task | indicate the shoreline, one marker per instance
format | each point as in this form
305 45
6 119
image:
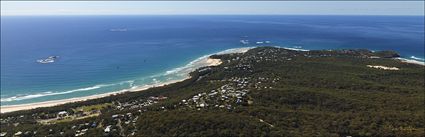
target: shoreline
195 64
11 108
198 63
411 61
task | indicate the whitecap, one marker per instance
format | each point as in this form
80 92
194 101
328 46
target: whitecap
131 83
412 61
416 58
24 97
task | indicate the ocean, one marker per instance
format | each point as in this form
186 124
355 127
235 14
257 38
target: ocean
101 54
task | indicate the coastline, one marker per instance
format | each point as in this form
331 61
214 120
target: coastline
200 62
195 64
11 108
411 61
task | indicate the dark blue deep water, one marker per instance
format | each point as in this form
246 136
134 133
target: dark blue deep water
100 54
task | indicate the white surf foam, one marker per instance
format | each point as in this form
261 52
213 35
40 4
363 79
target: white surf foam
296 49
412 61
50 93
234 50
200 62
416 58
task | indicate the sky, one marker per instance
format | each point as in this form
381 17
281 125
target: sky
10 8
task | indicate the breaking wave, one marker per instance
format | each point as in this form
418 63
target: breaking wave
50 93
416 58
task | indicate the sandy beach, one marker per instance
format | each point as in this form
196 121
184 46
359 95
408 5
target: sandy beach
201 62
12 108
383 67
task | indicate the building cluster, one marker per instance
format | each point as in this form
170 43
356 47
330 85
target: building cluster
136 104
283 55
118 120
82 128
228 96
19 133
130 119
271 55
265 82
9 120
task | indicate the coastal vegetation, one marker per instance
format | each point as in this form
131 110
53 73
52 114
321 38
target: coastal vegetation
265 91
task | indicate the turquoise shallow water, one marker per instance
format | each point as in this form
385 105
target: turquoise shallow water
100 54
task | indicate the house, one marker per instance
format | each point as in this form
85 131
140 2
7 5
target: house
107 129
158 98
18 133
94 124
62 114
115 116
84 130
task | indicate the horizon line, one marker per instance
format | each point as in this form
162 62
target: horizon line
215 15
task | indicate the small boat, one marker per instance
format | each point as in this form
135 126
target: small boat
49 59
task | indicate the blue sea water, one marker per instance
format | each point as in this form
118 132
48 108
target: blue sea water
100 54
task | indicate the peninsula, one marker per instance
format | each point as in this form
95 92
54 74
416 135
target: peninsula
264 91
